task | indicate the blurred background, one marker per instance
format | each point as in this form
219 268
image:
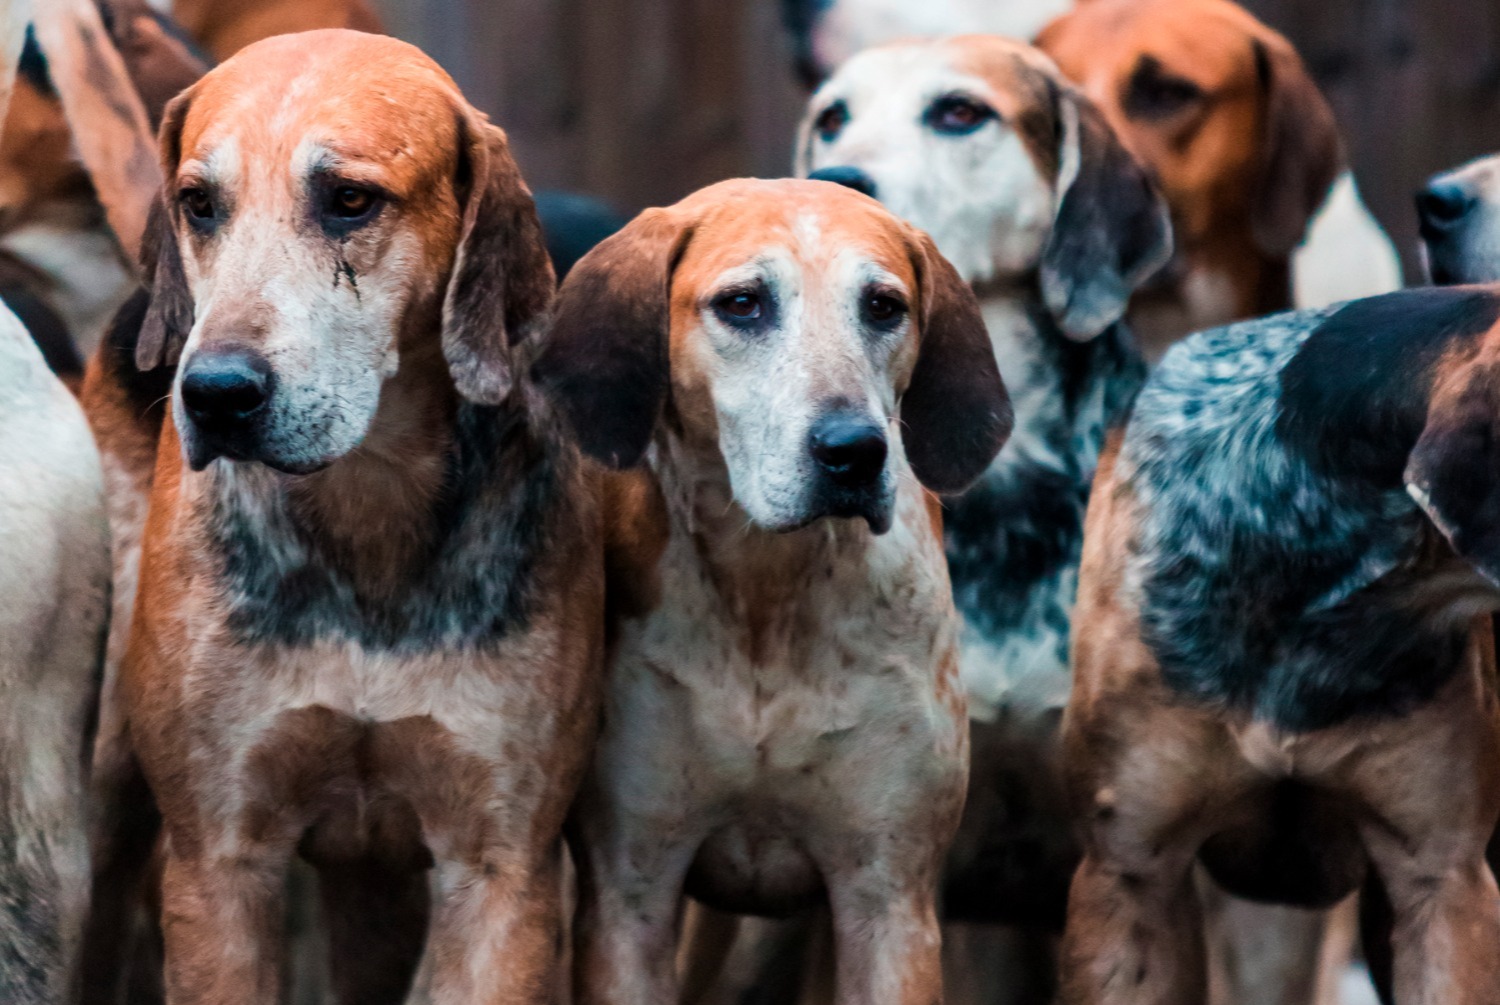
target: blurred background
641 101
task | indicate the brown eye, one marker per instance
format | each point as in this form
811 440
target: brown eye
831 121
880 309
197 203
349 203
741 306
956 115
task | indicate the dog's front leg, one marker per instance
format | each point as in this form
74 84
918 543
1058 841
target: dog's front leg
630 901
222 915
886 937
495 926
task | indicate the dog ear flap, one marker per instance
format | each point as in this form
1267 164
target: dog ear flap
955 414
1303 152
1453 473
605 359
1111 231
169 316
502 283
160 59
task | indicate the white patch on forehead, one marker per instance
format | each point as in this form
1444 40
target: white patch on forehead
310 155
294 101
220 166
980 196
808 230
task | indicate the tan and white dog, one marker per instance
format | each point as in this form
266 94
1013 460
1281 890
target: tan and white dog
369 619
783 716
980 141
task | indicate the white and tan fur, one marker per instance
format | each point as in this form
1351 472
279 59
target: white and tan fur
54 596
783 714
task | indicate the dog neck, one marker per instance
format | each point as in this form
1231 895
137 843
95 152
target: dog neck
371 512
744 561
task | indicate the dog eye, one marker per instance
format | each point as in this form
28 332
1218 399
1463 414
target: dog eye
882 310
198 203
347 202
741 306
832 120
956 115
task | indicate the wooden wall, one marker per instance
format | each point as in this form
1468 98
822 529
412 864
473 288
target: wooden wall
641 101
636 101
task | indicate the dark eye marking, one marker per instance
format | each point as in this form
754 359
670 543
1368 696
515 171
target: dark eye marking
342 206
199 208
832 120
882 309
957 114
1153 93
746 308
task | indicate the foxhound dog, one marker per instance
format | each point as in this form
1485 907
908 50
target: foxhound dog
1244 146
1022 185
370 611
1284 664
784 716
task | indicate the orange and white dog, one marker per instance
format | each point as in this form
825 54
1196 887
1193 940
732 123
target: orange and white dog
783 716
370 612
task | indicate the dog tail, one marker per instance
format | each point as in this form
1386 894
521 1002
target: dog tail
114 65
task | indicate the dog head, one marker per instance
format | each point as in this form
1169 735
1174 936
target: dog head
979 141
1218 106
1459 212
789 326
330 203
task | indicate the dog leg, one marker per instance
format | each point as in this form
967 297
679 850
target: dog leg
1133 938
496 931
629 904
222 924
1431 782
886 938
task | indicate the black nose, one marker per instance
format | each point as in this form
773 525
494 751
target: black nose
222 389
851 451
1442 205
848 177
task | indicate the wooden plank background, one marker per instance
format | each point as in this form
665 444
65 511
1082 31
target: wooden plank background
642 101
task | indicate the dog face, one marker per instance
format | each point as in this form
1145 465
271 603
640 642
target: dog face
978 141
789 324
1216 104
330 202
1460 223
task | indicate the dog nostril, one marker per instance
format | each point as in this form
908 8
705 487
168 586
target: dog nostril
849 177
852 452
225 388
1443 204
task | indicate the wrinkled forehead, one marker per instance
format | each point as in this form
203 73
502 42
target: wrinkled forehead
817 245
392 122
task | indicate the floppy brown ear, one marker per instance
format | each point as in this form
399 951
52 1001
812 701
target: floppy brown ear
605 360
159 57
111 131
169 316
1454 471
1303 152
955 414
502 283
1112 229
